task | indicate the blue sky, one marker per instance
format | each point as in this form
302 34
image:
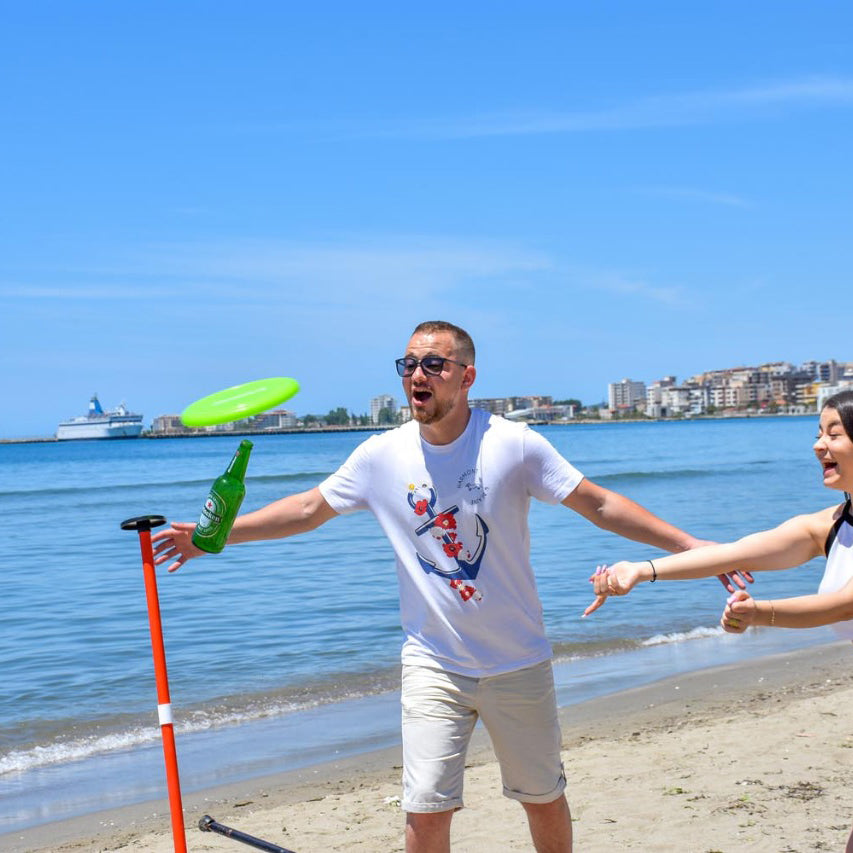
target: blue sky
196 194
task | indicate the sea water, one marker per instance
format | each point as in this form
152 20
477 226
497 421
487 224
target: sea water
283 654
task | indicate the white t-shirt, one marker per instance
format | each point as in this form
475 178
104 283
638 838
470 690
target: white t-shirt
839 564
456 516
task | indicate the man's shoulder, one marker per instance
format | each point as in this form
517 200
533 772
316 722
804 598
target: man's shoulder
503 432
389 437
498 425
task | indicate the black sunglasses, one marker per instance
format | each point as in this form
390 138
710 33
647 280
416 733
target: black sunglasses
432 365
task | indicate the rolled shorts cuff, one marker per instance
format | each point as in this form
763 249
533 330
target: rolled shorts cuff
430 808
548 797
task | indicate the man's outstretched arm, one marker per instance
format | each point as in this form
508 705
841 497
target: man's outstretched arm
614 512
285 517
618 514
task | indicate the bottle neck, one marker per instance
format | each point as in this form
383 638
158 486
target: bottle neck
240 461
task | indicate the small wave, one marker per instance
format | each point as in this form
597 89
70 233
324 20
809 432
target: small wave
679 474
284 478
674 474
565 652
63 752
231 712
21 760
683 636
136 487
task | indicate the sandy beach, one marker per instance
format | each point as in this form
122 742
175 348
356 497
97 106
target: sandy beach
748 757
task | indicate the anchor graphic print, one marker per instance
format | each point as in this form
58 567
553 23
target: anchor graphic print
442 526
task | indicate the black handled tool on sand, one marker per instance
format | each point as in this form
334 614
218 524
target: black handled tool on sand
208 824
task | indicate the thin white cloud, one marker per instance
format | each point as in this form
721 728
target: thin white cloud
336 275
670 110
337 271
610 282
373 268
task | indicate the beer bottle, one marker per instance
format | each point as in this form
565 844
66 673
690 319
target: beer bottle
223 502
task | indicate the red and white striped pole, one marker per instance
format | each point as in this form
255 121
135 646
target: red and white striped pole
143 524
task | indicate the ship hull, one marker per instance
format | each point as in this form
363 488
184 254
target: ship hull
116 423
108 428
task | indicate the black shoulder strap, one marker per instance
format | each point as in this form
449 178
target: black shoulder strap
845 516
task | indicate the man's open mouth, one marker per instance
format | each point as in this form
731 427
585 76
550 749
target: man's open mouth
421 396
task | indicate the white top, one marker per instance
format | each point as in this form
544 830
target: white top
456 516
839 563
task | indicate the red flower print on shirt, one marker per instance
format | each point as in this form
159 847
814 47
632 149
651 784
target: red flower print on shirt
445 521
421 507
466 591
452 549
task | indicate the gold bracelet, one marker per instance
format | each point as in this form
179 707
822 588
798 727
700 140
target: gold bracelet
772 614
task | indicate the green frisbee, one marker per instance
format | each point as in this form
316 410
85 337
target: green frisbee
239 401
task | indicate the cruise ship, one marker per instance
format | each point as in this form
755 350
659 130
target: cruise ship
116 423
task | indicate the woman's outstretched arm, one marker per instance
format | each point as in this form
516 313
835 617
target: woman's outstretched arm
790 544
802 611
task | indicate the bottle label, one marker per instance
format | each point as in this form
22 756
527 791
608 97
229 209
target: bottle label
211 513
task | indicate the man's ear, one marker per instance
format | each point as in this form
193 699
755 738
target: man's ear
469 376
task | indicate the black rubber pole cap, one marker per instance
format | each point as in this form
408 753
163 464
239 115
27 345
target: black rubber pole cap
143 522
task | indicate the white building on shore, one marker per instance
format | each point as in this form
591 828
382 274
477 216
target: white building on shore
626 396
380 402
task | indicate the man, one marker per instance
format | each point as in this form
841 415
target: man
451 490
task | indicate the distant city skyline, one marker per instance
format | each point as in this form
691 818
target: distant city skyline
829 371
772 386
197 196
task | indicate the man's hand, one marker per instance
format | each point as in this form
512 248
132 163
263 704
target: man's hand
737 578
175 543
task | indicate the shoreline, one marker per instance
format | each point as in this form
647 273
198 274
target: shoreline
750 753
49 439
124 766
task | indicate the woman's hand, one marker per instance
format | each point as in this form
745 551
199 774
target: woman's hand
618 579
739 613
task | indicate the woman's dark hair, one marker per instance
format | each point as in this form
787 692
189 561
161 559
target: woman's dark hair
842 402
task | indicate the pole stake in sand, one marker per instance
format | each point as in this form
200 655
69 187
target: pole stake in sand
208 824
143 524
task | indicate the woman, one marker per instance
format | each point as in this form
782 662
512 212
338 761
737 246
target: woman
828 532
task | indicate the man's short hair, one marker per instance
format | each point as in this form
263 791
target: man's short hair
464 345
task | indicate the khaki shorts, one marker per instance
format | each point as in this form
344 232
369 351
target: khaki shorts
440 709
